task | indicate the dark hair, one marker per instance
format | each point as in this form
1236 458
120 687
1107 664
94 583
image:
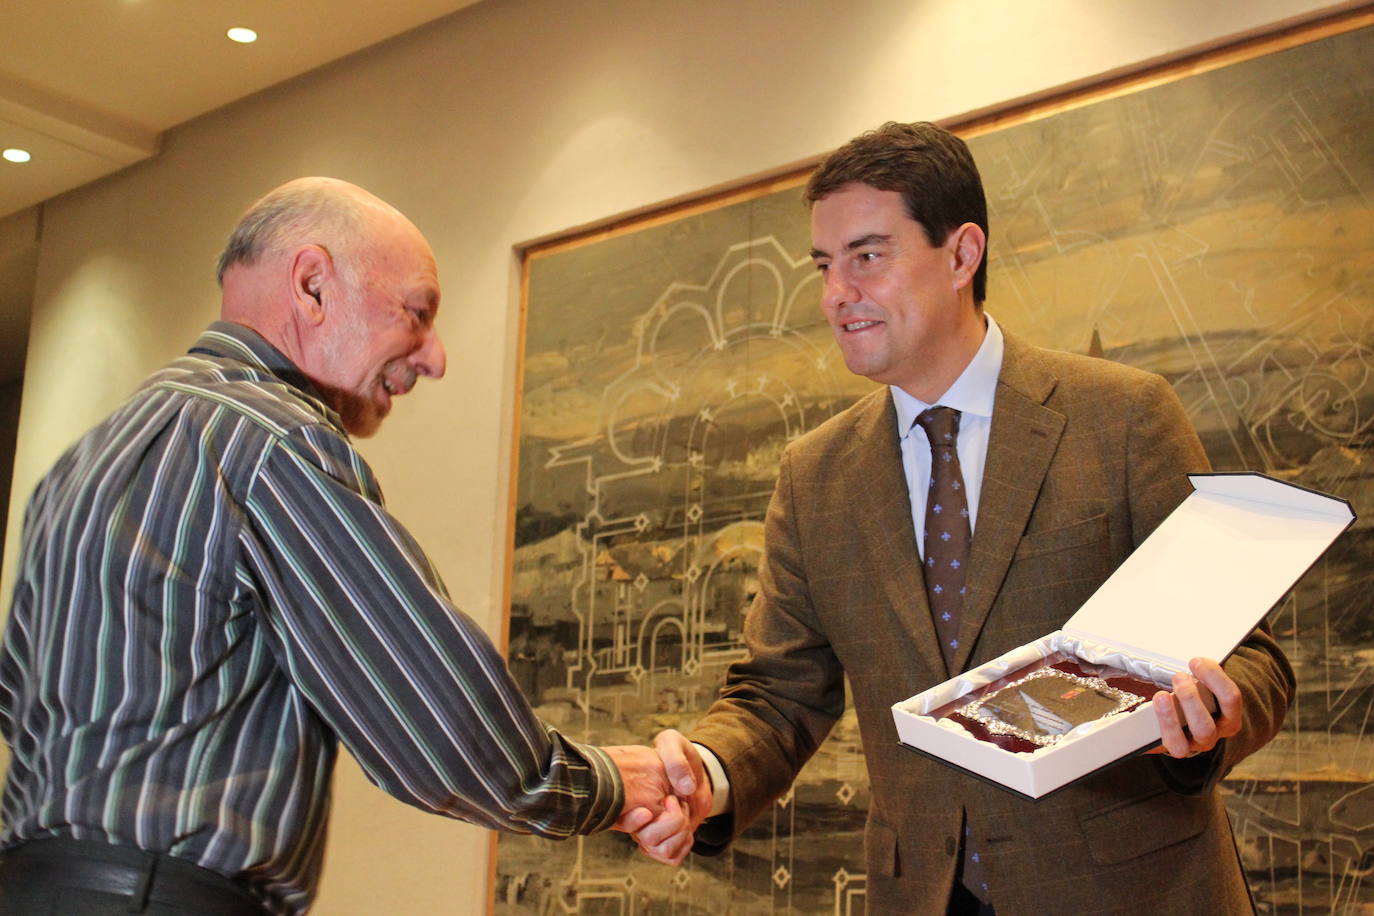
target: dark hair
930 167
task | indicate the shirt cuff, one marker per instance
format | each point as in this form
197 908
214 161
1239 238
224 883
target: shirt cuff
608 789
720 784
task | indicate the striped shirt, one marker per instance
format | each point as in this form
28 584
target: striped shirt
211 596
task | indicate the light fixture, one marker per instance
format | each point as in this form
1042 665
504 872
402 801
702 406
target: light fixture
242 36
14 154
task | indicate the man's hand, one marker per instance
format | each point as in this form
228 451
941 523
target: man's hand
646 785
667 795
1194 700
668 839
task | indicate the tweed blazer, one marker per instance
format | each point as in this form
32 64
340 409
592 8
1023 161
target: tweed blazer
1085 458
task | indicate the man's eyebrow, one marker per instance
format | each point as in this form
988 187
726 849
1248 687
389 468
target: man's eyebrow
872 238
863 241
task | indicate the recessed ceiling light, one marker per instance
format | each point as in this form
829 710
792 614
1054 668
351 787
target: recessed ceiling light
242 36
16 155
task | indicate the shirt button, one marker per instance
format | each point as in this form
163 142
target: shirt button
950 846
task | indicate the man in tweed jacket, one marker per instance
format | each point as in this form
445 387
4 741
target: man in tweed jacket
1070 463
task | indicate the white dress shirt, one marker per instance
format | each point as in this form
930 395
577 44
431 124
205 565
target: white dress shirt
972 394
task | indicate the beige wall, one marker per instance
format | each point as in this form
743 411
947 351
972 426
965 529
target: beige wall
509 121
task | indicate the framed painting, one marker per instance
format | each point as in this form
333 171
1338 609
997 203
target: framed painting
1210 222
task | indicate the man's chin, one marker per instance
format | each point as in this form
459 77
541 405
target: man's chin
364 432
864 365
362 420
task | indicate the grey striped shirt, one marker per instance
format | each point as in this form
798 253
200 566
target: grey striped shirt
211 595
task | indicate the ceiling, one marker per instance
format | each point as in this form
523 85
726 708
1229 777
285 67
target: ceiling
87 87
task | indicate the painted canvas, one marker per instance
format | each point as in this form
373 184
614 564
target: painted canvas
1216 229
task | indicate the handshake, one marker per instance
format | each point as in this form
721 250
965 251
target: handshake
667 795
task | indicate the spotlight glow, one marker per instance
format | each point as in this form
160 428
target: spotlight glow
242 36
14 154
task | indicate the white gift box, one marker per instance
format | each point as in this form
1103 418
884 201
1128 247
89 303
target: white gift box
1197 586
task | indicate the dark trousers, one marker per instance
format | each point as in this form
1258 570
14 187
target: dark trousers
60 876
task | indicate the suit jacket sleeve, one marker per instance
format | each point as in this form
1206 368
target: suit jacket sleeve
1161 450
777 707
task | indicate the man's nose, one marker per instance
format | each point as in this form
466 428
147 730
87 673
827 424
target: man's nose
839 290
430 359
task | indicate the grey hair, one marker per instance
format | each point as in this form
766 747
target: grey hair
296 213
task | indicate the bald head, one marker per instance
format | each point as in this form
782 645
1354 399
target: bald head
344 286
319 210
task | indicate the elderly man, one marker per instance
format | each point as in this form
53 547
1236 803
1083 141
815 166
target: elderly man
212 595
965 508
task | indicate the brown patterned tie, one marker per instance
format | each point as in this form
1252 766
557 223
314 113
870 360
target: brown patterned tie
948 533
948 538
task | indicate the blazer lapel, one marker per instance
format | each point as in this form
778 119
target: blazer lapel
1021 445
882 508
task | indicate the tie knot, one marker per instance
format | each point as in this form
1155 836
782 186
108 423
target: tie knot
941 425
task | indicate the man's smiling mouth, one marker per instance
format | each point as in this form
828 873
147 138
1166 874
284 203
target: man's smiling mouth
858 325
398 381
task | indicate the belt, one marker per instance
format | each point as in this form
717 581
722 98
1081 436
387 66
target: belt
142 877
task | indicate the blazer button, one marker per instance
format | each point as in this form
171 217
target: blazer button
950 846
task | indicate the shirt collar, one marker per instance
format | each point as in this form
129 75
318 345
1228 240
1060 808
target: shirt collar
226 339
973 392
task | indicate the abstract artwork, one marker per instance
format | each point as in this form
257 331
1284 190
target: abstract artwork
1215 229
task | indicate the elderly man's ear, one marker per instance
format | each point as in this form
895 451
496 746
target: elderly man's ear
311 269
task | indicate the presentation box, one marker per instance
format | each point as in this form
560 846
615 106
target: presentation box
1197 586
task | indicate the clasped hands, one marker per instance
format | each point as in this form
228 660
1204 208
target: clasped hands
667 795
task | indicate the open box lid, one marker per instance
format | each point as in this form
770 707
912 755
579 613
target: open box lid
1210 572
